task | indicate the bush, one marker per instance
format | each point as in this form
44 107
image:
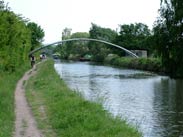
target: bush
149 64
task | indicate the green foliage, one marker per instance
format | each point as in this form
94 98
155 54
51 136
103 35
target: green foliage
15 44
169 38
149 64
134 36
79 48
101 33
37 34
73 50
99 50
15 40
68 113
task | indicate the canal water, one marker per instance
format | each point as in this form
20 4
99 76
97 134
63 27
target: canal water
154 104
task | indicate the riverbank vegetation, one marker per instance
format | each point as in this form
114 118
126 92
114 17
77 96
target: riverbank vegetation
147 64
67 112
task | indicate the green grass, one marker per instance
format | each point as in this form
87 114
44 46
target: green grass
8 83
66 113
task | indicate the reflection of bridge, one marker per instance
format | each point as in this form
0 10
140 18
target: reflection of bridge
85 39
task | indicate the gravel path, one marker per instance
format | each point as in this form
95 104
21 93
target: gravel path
25 124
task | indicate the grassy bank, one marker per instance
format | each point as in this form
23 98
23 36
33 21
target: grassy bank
8 83
62 112
148 64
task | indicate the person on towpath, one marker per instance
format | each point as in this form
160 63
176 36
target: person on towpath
33 60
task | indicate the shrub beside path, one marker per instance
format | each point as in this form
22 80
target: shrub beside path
25 124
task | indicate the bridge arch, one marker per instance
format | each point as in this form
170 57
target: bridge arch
85 39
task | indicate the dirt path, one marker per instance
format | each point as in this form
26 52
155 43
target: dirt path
25 124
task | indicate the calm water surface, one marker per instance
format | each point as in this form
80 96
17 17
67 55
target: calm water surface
152 103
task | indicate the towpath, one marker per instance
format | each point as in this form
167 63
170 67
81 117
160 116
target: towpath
25 124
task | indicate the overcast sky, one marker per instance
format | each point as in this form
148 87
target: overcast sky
54 15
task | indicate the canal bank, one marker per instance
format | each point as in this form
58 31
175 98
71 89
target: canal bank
152 102
62 112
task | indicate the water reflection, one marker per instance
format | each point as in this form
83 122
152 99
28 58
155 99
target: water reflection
168 104
153 103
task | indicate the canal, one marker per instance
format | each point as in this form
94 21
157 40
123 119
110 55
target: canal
154 104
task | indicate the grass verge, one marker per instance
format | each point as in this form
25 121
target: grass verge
64 113
8 83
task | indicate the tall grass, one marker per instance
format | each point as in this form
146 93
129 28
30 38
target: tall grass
8 83
67 113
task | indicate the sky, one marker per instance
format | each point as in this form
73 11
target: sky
55 15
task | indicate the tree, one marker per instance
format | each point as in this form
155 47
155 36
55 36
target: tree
79 47
76 49
133 36
99 50
37 34
169 36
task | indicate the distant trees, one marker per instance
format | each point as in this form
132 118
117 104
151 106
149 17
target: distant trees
79 48
15 39
100 50
73 50
133 36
